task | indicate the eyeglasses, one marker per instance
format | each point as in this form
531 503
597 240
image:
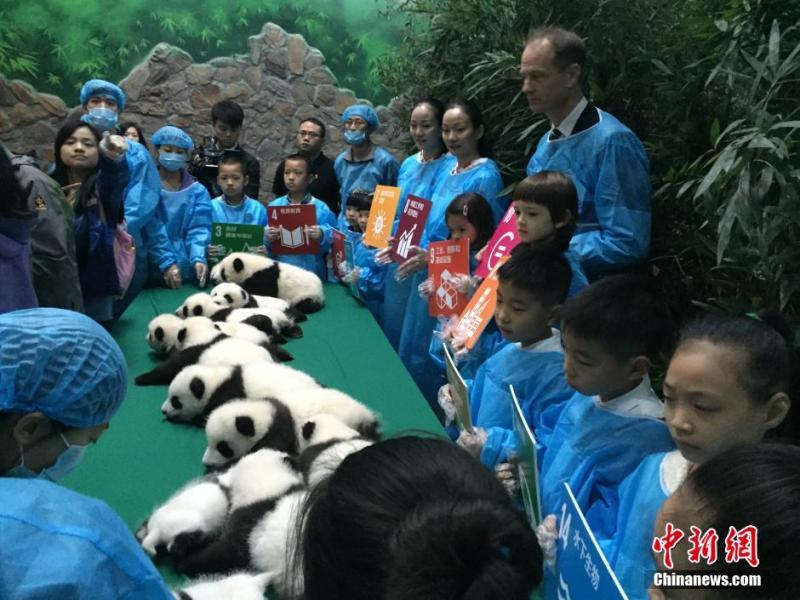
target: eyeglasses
311 134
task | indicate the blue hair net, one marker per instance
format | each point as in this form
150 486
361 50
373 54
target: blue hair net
364 111
174 136
98 87
61 363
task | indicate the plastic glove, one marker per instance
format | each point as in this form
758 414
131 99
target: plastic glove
352 275
215 250
172 277
201 270
384 256
260 250
465 284
506 473
417 262
314 232
445 400
456 336
473 442
113 147
272 233
547 534
425 289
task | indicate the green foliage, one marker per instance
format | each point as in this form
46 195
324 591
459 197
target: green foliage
57 44
710 86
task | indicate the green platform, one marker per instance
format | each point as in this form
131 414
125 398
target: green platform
142 459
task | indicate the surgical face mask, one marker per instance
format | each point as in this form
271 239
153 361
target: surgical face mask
103 119
66 463
172 161
355 137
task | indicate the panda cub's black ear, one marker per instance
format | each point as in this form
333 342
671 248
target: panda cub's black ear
197 311
182 334
244 295
159 334
292 462
185 311
238 264
245 426
308 429
197 387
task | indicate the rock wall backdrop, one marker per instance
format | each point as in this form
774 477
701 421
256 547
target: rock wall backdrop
281 81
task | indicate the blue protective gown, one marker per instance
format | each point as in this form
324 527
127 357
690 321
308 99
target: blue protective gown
186 215
594 447
326 221
609 167
381 169
415 336
623 519
419 179
537 375
60 544
248 212
371 278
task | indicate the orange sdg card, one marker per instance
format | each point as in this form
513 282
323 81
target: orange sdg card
381 216
480 309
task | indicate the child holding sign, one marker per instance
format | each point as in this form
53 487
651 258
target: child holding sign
367 276
297 176
531 285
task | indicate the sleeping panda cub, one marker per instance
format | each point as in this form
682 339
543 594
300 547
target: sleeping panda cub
222 350
273 322
199 389
257 484
266 277
325 442
192 515
242 426
233 295
201 330
237 586
162 332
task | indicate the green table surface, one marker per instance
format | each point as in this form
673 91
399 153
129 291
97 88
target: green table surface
142 459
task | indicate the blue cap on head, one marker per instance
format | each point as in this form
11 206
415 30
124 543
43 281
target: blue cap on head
364 111
174 136
99 87
61 363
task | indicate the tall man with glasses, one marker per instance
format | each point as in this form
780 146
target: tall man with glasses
309 141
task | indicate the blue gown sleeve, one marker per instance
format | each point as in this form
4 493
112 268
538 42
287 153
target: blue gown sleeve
327 222
622 205
198 234
143 190
499 444
159 246
391 169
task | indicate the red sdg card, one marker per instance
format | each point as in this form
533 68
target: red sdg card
447 259
503 241
409 229
292 221
337 253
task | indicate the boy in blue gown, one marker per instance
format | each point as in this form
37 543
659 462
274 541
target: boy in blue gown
234 206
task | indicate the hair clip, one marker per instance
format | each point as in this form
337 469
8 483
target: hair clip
465 210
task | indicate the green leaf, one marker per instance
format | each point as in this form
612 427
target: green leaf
714 131
722 163
774 44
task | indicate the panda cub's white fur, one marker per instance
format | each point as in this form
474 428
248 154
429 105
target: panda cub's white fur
238 586
323 464
322 428
266 277
202 330
233 295
162 332
199 389
307 403
198 509
202 304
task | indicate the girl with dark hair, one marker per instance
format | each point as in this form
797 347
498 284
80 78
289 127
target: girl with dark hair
468 169
546 209
132 131
419 173
754 486
728 384
415 518
93 174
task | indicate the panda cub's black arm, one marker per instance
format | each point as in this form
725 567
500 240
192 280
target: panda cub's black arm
165 372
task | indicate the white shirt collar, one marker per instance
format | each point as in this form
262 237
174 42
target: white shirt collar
548 344
568 124
641 401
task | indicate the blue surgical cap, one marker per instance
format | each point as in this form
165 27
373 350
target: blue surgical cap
61 363
174 136
98 87
364 111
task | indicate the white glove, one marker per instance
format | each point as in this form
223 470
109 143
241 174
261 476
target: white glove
172 277
506 473
425 289
445 400
473 442
201 270
464 284
384 256
547 534
113 147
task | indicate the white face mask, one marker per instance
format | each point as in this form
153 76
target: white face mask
66 462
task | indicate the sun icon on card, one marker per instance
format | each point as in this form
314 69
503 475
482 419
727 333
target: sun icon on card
378 225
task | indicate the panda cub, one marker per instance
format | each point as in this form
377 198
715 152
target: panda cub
235 296
242 426
194 514
257 484
199 389
162 332
325 442
201 330
263 276
222 350
274 322
238 586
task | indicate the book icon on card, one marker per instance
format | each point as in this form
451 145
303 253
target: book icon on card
293 238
